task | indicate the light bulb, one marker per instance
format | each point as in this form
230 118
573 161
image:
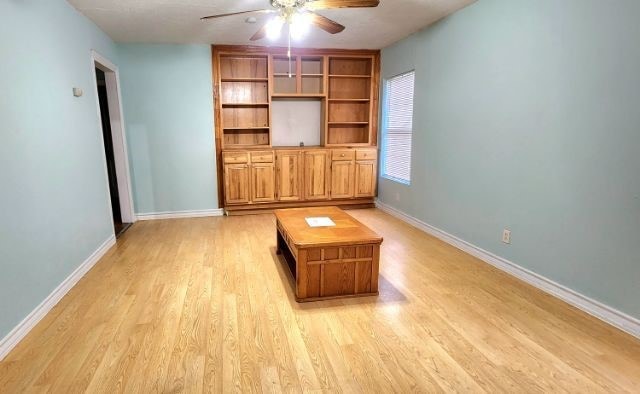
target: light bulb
300 23
273 27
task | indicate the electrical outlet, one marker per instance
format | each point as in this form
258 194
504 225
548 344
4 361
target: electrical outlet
397 196
506 236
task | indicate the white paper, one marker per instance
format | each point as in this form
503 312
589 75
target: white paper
320 222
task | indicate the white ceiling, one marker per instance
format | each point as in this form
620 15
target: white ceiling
178 21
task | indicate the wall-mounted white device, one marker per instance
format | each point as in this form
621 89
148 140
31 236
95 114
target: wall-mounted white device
506 236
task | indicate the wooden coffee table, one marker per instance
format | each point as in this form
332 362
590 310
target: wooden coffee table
328 262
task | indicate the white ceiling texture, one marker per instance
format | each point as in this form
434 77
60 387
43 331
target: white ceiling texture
178 21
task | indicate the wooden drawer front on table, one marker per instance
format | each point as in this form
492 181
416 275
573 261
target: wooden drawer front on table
262 157
338 271
343 154
366 154
235 157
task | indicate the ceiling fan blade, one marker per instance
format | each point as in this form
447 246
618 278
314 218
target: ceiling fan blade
327 4
326 24
260 34
236 13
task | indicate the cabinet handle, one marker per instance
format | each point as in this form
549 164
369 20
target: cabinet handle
342 155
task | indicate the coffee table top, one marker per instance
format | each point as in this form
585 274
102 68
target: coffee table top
347 231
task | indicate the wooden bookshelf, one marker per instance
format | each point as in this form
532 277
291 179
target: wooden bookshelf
244 100
349 109
238 66
312 74
298 76
285 75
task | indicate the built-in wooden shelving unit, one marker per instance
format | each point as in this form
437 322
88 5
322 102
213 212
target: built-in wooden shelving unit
298 76
349 113
244 100
249 79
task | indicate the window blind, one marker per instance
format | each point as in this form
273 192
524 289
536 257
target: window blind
398 127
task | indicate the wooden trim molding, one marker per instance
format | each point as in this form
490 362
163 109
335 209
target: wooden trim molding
252 49
217 127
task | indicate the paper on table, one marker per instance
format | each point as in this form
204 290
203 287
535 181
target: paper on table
320 222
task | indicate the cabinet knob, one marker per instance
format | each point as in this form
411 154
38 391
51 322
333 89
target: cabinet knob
342 155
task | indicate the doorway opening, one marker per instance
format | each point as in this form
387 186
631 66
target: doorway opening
116 163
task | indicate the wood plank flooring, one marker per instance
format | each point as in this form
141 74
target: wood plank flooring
205 305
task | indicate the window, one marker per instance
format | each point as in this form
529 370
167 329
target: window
398 128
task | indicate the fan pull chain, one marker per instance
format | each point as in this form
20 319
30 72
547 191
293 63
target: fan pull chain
289 51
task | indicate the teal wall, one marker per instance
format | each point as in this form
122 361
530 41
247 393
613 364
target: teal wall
526 117
53 192
167 94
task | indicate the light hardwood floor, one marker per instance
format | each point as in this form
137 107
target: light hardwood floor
205 305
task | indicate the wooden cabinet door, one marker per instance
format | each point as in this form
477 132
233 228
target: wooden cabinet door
236 183
316 175
289 175
263 182
342 174
366 178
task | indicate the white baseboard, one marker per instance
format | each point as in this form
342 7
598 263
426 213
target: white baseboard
595 308
21 330
180 214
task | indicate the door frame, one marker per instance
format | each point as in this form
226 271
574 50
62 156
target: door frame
114 98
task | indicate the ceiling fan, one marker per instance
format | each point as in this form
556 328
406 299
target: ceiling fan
299 15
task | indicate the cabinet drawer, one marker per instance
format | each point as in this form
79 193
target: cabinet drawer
262 157
235 157
366 154
343 154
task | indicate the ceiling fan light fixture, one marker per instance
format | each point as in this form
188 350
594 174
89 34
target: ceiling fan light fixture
274 27
299 15
300 25
289 3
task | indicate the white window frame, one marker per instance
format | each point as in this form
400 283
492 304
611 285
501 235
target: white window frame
385 117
